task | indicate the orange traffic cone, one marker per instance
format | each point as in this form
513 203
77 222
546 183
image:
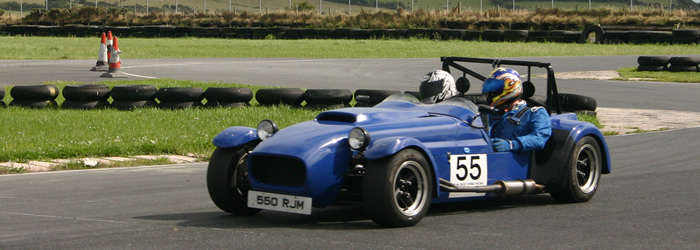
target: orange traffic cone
109 43
102 60
115 64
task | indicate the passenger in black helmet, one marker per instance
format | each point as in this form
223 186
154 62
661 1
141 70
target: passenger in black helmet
436 86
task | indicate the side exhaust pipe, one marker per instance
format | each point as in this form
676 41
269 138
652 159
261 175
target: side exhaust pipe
515 187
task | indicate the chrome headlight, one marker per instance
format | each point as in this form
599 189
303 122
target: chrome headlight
358 139
266 129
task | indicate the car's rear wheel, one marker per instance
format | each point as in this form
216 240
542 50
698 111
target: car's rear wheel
227 179
583 172
397 190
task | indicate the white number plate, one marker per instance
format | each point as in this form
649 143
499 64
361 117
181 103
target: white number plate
279 202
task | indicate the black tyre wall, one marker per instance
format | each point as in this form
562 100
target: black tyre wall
574 102
71 104
328 96
134 92
684 61
288 96
180 94
129 105
86 92
34 92
653 60
34 103
375 95
228 94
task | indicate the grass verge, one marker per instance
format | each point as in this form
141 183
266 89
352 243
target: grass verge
662 76
40 134
54 48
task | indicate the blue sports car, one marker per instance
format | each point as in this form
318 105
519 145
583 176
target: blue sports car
400 156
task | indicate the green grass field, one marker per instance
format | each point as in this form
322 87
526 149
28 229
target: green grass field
30 134
135 48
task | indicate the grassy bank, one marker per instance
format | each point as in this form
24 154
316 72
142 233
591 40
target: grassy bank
30 134
18 47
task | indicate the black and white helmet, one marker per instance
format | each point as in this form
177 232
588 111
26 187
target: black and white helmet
437 86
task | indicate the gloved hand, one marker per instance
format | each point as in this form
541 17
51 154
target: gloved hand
501 145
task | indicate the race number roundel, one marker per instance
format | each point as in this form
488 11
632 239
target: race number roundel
468 170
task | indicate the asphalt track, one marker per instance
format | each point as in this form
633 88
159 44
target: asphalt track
650 201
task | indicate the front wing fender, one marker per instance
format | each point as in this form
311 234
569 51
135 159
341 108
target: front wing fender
235 136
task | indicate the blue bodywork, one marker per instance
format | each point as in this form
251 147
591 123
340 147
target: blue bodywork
439 131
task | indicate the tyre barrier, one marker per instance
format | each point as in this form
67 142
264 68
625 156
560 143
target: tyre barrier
289 96
179 97
684 64
493 32
86 96
34 96
324 98
371 97
661 63
129 97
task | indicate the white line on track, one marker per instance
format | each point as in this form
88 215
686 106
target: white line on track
63 217
140 76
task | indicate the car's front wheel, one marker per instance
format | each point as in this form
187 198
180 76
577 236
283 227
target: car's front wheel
583 172
397 190
227 179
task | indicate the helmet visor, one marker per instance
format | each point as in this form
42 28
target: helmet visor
431 92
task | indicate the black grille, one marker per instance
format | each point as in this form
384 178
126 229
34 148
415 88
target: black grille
278 170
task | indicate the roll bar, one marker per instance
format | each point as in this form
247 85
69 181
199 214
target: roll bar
553 102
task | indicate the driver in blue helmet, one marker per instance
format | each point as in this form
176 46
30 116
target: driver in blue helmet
517 128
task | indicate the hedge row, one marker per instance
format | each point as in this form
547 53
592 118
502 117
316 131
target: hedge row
679 36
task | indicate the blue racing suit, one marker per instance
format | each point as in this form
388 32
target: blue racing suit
526 129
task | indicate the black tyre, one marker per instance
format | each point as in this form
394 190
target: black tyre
592 34
614 37
71 104
227 179
583 172
2 104
682 68
397 190
34 92
134 92
2 93
684 61
328 96
129 105
228 94
653 60
86 92
34 103
651 68
691 33
180 94
288 96
515 35
216 104
574 102
492 35
179 105
374 95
